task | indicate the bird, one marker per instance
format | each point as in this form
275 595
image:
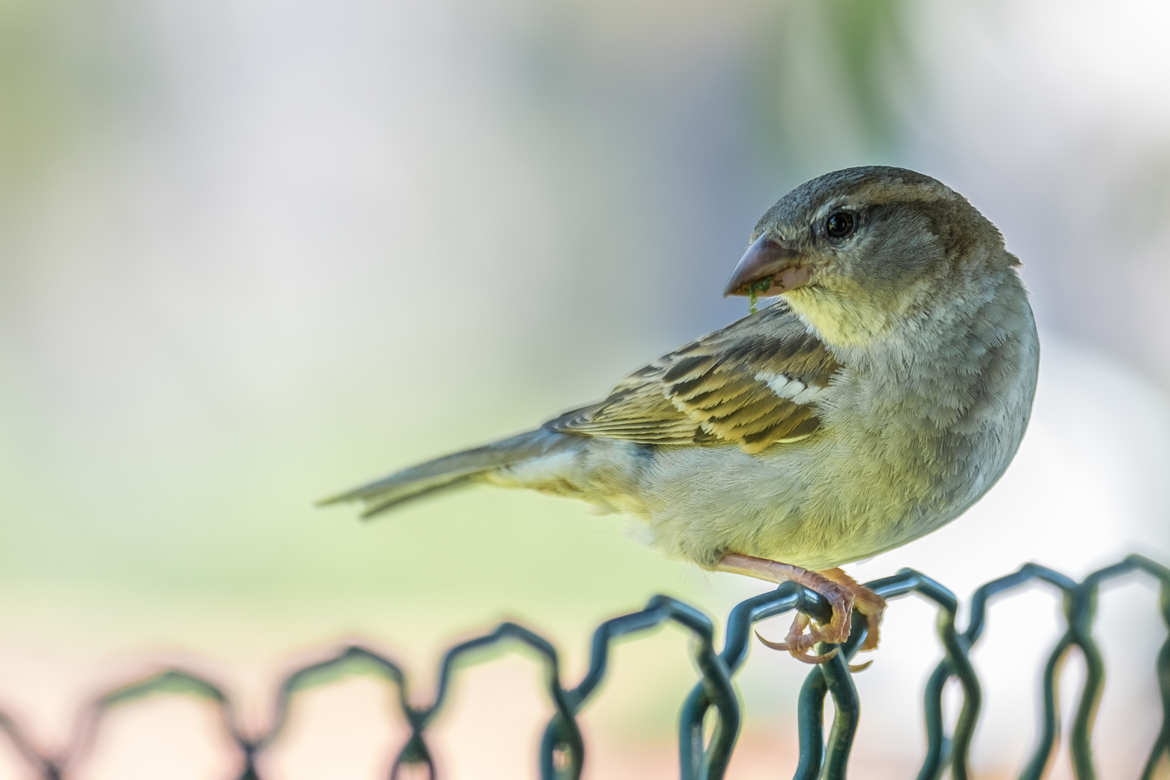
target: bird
881 394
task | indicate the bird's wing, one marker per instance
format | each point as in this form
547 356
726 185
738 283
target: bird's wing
751 384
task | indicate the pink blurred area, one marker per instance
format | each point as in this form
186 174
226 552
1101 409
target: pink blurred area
254 252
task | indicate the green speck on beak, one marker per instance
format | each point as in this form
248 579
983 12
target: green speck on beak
754 292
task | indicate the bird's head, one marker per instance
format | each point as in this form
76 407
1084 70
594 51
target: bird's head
859 252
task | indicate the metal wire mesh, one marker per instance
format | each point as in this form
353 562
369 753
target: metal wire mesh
562 749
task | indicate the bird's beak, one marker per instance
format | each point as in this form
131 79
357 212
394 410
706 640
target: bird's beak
768 267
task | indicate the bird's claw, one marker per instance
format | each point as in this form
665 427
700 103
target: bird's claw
838 589
804 634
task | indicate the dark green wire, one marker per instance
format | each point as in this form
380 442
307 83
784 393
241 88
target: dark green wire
562 752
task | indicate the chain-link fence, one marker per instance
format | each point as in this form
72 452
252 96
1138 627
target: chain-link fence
704 752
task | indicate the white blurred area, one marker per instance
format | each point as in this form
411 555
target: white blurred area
253 252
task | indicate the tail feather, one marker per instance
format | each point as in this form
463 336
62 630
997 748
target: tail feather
445 472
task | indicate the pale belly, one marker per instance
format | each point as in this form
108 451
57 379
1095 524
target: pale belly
819 507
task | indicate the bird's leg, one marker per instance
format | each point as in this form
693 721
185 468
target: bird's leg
803 634
841 591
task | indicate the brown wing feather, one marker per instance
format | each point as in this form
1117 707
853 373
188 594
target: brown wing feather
715 391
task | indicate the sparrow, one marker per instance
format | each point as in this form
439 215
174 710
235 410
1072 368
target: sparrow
884 391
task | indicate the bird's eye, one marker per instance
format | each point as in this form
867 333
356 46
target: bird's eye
839 224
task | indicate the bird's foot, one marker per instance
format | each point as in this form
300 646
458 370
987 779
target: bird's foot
841 591
802 636
865 601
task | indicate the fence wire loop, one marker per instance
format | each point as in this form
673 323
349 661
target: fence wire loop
561 752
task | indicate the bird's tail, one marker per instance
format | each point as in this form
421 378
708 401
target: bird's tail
447 471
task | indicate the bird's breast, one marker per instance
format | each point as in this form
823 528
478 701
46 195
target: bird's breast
900 453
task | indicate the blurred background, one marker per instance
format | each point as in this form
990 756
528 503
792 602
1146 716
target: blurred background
254 252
